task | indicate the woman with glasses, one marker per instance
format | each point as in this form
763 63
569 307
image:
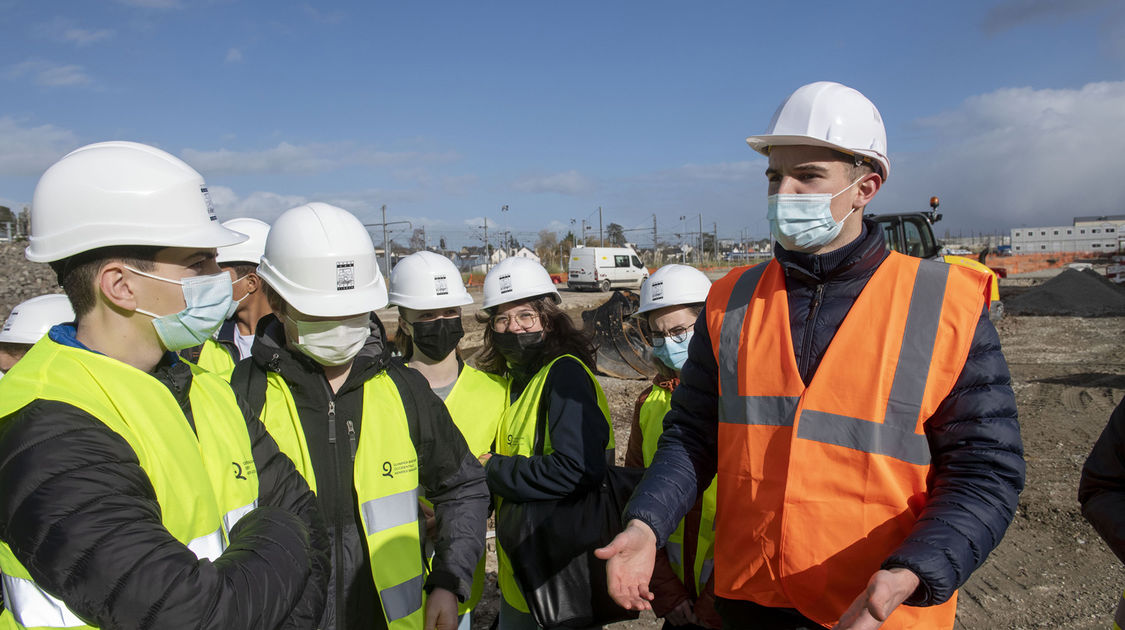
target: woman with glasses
428 291
557 407
671 300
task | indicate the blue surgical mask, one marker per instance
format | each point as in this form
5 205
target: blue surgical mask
673 353
207 300
804 223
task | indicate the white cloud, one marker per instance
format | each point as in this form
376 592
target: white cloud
1018 156
85 37
50 74
723 171
234 55
28 151
293 159
568 183
263 205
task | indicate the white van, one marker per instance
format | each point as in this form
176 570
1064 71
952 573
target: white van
605 268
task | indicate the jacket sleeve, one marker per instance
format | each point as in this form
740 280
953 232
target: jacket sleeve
80 513
579 436
684 463
281 486
453 481
977 475
1102 488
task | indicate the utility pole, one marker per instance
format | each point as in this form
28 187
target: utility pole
715 228
487 257
583 232
386 245
601 239
701 238
655 243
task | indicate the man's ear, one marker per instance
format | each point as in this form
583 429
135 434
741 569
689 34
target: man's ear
866 189
115 285
253 283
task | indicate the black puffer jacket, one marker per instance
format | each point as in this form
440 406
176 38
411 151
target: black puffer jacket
977 453
1102 488
451 477
80 513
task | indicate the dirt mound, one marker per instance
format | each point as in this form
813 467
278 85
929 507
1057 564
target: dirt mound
1076 293
21 279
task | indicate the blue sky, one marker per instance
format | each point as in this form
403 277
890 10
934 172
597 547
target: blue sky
1012 111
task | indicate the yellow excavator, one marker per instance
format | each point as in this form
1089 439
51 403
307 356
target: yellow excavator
912 233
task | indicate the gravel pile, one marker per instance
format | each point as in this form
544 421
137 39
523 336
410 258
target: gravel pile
1074 293
21 279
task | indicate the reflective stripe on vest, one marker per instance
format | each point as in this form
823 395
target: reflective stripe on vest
837 468
516 436
33 607
204 480
386 484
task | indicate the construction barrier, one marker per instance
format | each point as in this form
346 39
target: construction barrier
1024 263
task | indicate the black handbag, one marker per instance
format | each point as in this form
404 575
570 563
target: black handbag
551 548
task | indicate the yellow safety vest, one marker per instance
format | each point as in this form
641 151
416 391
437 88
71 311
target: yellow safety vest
204 481
516 436
476 402
386 484
656 405
214 357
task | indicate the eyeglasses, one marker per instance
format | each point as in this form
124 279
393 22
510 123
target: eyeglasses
677 334
526 319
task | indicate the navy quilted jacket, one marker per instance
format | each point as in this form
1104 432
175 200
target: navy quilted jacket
974 437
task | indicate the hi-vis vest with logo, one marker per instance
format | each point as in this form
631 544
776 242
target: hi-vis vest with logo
516 436
819 484
477 401
656 405
204 481
386 485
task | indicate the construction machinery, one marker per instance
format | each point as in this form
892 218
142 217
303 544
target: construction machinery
912 233
617 335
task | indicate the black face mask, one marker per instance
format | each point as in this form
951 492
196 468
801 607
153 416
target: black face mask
519 348
437 338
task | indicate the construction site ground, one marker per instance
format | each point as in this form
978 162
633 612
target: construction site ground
1050 571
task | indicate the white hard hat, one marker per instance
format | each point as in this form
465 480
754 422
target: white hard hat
425 280
672 285
516 278
320 259
121 193
827 114
31 319
249 250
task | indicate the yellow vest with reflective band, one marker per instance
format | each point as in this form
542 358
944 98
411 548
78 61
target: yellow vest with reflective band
516 436
214 357
386 485
477 401
204 481
656 405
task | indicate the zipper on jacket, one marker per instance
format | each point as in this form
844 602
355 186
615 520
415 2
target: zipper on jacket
337 522
351 437
810 325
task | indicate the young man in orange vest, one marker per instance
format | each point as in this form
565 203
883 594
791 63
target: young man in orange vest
854 402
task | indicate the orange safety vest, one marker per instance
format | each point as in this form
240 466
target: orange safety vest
819 484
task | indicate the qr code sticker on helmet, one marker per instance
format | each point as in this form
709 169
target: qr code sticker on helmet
441 285
657 291
345 275
505 284
207 200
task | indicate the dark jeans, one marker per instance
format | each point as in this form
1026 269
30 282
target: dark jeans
743 615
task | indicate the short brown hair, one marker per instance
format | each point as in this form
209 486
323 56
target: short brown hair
77 273
562 338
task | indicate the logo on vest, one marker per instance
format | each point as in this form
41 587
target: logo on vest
238 471
514 440
399 468
243 469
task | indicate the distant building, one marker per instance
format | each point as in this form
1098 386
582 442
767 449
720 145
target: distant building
1104 234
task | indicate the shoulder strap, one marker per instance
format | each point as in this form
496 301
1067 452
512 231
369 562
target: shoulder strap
250 383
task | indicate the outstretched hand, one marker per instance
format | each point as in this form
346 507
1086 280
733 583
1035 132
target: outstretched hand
885 591
629 559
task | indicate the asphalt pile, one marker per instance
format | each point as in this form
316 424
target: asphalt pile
1074 293
21 279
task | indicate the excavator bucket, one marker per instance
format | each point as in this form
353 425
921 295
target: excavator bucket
621 348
